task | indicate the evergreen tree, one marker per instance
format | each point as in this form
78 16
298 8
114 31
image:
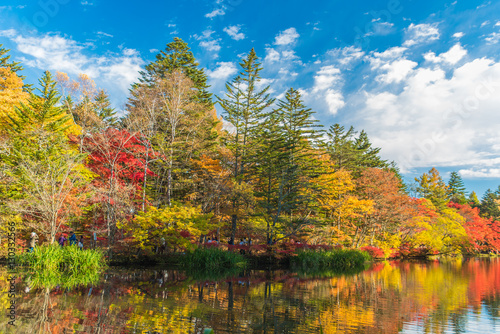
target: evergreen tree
286 164
490 205
432 187
177 55
456 189
6 62
245 109
42 111
104 111
473 200
351 153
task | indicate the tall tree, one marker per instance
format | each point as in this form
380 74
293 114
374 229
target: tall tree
490 206
11 95
287 164
432 187
353 153
43 111
244 108
50 177
456 189
177 55
5 61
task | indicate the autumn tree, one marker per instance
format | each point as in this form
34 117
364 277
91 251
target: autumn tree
48 177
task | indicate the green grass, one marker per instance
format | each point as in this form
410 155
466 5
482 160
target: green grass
337 260
53 265
212 259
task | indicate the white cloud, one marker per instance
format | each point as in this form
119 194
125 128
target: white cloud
113 71
452 56
434 119
334 100
272 55
286 37
234 32
212 45
485 23
346 55
223 71
215 12
380 29
458 35
396 71
100 33
421 33
493 38
326 77
482 173
207 41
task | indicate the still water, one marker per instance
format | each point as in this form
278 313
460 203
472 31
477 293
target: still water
389 297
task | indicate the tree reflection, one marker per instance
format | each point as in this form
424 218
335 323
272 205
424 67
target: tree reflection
390 297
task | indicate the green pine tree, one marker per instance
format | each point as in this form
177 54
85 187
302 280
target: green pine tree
490 205
42 111
6 62
287 163
432 187
177 55
473 200
104 111
244 107
456 189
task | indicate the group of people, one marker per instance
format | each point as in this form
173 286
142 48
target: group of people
72 240
212 241
62 239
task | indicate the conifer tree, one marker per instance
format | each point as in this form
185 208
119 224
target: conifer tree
177 55
287 163
245 109
490 205
456 189
6 62
432 187
473 200
42 111
104 111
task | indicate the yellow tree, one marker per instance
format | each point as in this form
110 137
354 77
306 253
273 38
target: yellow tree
11 95
339 203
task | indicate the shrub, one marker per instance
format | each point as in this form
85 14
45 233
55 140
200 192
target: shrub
213 259
374 252
69 266
336 259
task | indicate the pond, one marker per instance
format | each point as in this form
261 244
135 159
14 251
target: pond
389 297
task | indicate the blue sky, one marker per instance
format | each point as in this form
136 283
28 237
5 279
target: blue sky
421 77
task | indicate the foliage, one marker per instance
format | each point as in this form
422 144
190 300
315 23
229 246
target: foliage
337 259
66 266
176 225
213 260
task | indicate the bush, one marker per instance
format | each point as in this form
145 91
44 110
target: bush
374 252
337 259
69 266
213 259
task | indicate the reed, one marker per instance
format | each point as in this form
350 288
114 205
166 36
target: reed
212 259
53 265
337 259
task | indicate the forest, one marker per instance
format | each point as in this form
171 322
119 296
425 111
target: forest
172 172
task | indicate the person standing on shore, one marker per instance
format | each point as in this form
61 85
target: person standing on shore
61 240
33 241
72 239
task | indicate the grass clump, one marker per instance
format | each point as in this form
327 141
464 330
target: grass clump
212 259
337 260
69 266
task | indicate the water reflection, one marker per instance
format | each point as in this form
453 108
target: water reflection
391 297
